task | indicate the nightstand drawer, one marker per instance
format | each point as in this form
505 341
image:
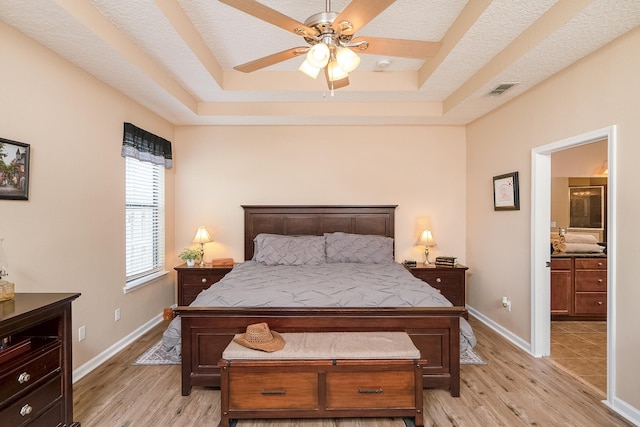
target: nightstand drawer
357 390
273 390
193 280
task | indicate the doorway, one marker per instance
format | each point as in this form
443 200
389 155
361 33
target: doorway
541 219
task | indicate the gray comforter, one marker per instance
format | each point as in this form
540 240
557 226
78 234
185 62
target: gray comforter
251 284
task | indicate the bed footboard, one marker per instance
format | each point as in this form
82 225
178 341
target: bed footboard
206 332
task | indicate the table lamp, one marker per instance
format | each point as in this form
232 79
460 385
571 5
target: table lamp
202 237
426 239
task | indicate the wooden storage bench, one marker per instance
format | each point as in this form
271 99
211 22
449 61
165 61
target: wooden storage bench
324 375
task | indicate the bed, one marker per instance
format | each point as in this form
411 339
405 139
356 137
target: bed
206 330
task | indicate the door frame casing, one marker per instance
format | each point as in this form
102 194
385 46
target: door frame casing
540 253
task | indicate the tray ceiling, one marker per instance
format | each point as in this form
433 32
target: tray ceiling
177 57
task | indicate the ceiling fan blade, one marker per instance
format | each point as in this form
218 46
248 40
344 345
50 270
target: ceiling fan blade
359 12
271 59
271 16
398 47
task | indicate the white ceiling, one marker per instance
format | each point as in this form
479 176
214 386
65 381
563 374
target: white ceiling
177 57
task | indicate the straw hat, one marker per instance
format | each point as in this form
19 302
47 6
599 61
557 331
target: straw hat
259 337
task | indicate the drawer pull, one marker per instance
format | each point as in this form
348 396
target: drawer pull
370 391
438 279
599 302
24 377
204 280
600 280
271 392
599 264
26 410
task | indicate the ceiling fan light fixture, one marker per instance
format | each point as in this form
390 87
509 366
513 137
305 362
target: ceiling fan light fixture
334 72
318 56
309 70
347 59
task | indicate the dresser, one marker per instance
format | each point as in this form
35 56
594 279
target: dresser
578 287
35 361
193 280
450 281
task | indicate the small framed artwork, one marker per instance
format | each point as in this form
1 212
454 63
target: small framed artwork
14 170
506 195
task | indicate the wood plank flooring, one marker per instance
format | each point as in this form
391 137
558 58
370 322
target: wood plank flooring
513 389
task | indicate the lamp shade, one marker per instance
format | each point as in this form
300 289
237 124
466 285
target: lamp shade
426 238
334 71
202 236
318 55
347 59
309 70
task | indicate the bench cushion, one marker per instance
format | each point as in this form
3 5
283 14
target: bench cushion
332 345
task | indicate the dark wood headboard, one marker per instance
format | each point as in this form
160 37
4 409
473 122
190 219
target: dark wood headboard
315 221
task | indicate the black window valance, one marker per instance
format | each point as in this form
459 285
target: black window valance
145 146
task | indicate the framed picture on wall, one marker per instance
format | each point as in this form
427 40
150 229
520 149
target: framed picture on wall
14 170
506 194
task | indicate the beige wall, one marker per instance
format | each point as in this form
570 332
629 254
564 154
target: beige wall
69 235
421 169
601 90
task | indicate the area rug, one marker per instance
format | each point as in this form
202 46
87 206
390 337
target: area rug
470 357
157 355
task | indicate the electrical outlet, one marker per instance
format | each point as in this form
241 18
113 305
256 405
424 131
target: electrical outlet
117 314
82 333
506 303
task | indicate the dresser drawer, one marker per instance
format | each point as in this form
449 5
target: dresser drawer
591 303
591 281
273 390
26 375
33 405
591 264
357 390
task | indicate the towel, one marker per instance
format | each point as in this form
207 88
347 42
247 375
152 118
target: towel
580 238
558 246
583 248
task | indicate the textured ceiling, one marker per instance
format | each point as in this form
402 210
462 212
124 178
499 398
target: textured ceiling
176 57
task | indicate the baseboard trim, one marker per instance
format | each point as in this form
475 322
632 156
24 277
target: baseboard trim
625 410
507 334
92 364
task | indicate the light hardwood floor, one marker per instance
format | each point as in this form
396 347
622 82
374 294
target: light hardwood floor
513 389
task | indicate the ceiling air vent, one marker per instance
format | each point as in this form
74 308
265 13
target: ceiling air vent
502 89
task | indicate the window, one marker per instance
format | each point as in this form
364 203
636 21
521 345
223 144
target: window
146 156
144 219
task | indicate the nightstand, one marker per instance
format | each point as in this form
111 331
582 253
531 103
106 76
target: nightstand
450 281
193 280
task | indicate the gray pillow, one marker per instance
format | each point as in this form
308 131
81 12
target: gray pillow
361 248
275 249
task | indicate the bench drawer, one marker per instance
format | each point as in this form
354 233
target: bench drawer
358 390
273 390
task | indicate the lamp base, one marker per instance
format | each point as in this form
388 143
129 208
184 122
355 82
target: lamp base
201 255
426 256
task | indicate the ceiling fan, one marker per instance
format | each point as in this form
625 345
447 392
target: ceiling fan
331 39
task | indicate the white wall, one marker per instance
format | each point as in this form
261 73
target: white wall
604 88
69 235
